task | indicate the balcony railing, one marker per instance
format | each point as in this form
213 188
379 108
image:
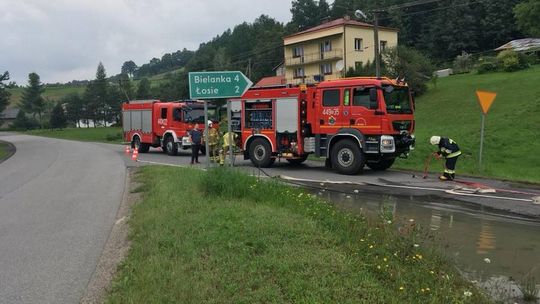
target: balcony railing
334 54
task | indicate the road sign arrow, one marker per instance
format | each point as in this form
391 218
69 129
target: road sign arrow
222 84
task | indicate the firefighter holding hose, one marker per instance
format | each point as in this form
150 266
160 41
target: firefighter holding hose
450 151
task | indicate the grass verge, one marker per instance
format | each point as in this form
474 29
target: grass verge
106 135
224 237
3 150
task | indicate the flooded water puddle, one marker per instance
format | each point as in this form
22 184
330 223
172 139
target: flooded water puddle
494 249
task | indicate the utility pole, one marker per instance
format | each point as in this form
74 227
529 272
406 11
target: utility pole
376 38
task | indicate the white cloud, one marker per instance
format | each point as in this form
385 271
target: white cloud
62 40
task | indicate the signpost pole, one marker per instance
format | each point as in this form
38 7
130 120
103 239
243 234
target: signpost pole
481 141
206 136
229 130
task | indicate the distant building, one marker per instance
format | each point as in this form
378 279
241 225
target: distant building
7 117
528 45
327 51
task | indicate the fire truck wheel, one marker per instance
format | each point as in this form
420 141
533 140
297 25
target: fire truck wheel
347 157
297 161
171 146
141 147
260 153
381 165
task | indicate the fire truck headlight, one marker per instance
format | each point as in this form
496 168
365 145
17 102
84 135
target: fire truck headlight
388 144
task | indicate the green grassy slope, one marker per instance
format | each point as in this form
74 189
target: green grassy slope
53 93
512 127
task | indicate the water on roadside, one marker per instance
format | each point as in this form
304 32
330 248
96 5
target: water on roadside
495 249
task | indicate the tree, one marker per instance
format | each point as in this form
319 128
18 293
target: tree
99 93
528 15
402 62
22 122
4 93
305 14
58 118
74 108
129 68
143 90
126 87
31 101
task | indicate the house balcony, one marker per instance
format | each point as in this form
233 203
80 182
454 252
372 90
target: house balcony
335 54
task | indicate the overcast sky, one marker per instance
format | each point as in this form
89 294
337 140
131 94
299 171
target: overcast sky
62 40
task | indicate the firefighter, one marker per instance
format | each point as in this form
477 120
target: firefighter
213 142
450 151
228 146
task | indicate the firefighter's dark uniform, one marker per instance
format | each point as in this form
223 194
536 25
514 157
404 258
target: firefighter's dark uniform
450 151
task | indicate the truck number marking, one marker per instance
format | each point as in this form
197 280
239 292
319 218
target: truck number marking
332 111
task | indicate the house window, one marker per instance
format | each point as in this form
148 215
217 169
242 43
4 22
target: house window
298 52
326 69
330 98
358 44
326 46
383 45
299 73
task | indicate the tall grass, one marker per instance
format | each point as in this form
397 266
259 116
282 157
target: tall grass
224 237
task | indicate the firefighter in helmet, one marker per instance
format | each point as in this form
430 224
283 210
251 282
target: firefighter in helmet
450 151
229 144
213 142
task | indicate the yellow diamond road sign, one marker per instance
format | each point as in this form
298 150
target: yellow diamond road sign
485 99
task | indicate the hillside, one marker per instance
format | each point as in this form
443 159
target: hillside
512 126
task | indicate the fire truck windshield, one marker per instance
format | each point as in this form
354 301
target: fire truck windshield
197 115
397 100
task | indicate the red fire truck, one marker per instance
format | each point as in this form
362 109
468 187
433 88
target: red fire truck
352 122
152 123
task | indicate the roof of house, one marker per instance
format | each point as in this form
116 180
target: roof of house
525 44
9 113
272 81
337 23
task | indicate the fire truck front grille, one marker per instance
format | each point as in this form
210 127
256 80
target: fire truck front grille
402 125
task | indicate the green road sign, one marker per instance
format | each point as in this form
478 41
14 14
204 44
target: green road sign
225 84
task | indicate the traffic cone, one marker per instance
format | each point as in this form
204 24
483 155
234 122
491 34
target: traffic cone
127 150
135 155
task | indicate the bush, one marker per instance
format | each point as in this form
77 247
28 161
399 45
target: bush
22 122
463 63
511 61
487 65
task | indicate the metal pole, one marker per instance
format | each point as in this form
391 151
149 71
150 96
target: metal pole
207 135
376 38
229 130
481 141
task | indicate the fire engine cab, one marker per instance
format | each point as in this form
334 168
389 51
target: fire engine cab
152 123
351 122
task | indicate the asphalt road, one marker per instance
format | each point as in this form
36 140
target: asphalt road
58 201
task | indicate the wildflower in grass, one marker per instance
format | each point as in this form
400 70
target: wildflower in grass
467 293
370 246
378 266
416 245
411 220
427 289
401 288
487 260
432 272
385 259
389 222
361 240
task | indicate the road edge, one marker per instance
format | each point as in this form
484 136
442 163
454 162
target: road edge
116 247
11 150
